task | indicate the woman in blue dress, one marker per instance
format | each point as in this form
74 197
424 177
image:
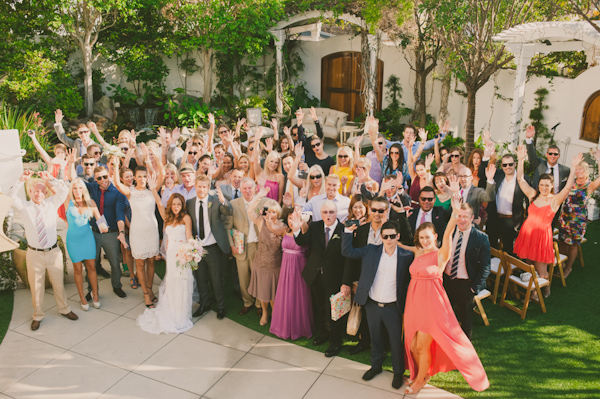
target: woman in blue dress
81 245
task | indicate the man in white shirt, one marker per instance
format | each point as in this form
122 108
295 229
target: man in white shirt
233 190
475 196
332 186
43 253
382 290
240 221
187 188
428 213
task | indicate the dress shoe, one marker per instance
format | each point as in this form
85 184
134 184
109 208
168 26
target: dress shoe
259 312
88 296
397 381
320 339
85 307
357 349
35 325
332 351
201 310
71 316
221 314
120 293
96 304
101 272
245 310
368 376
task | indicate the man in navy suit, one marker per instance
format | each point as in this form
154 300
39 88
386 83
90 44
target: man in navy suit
382 290
428 213
468 268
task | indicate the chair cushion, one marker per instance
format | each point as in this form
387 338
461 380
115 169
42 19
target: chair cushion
494 265
483 294
331 121
515 279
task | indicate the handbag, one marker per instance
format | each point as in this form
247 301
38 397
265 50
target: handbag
238 240
340 305
354 319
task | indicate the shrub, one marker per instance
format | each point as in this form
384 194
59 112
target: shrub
14 118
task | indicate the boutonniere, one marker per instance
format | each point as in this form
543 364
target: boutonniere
209 205
335 236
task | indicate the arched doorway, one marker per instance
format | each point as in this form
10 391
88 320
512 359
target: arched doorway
341 82
590 122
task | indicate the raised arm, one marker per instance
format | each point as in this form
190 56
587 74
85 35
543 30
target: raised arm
293 173
72 158
534 160
211 132
162 133
525 187
153 183
275 129
596 183
559 198
38 147
257 168
372 128
255 217
60 131
315 118
436 150
446 250
92 126
123 189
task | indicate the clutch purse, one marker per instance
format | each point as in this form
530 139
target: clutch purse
340 305
238 240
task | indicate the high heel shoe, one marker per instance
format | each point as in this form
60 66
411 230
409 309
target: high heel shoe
96 304
85 307
151 305
154 299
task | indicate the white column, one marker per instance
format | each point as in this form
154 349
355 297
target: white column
279 40
523 54
372 40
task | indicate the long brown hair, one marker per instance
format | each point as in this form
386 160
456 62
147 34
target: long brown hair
423 226
170 217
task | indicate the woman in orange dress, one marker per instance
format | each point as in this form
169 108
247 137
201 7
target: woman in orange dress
534 241
433 340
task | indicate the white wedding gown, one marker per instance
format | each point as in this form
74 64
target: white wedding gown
173 312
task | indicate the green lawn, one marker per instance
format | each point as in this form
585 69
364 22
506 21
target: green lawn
6 308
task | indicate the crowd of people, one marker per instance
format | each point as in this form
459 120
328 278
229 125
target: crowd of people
400 231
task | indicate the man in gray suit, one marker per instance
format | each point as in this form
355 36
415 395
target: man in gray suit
207 226
549 165
474 196
80 144
233 190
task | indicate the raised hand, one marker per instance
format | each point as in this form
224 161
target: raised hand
176 134
287 131
133 136
530 131
240 123
453 183
287 199
521 152
259 133
299 149
577 159
295 221
269 144
446 127
313 114
92 126
423 134
455 202
274 124
31 133
428 161
486 137
344 180
212 169
220 195
152 182
72 155
388 185
360 174
26 175
45 175
162 132
211 118
445 157
490 171
490 149
304 190
58 116
299 116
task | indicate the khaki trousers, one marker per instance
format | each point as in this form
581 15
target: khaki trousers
38 263
244 268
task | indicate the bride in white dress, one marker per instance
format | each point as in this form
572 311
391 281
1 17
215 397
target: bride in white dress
173 313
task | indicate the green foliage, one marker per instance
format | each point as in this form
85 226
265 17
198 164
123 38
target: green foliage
190 113
8 273
97 80
565 63
43 83
15 118
146 70
536 115
390 117
451 141
122 95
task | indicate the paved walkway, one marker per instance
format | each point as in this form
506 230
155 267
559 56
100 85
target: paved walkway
105 355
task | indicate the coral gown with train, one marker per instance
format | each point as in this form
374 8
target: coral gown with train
428 310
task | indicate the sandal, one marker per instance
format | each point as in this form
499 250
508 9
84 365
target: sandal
150 306
134 282
154 298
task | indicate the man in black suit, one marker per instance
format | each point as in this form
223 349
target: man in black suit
207 226
428 213
324 272
475 196
382 290
549 165
507 212
468 268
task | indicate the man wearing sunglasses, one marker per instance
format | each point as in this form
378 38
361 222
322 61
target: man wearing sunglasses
376 173
111 204
507 212
549 165
83 140
410 132
88 163
332 186
428 213
381 290
475 196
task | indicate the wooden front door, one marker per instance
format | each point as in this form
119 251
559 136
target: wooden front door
341 83
590 124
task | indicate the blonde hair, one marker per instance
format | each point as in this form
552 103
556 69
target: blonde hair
364 160
273 205
350 157
125 136
173 168
586 168
273 155
87 200
310 183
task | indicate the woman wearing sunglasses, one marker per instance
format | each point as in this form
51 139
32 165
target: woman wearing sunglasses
312 182
344 164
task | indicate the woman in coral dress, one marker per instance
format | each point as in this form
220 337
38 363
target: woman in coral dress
534 241
433 340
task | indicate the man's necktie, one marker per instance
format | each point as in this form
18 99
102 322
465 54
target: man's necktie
101 206
236 194
201 221
454 269
327 229
41 228
423 218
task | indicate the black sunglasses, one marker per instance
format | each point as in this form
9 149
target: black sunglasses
378 210
394 153
315 145
251 149
193 152
342 156
427 199
83 131
124 148
454 156
389 236
89 164
103 177
553 153
508 164
313 177
96 153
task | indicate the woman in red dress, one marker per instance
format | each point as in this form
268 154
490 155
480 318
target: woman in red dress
433 340
534 241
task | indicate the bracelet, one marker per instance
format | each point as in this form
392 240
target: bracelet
121 232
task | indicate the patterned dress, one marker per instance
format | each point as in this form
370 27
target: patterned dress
573 218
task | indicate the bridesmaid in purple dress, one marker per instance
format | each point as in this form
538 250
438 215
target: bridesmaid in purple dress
292 314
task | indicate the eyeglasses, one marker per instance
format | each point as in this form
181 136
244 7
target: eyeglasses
223 131
124 148
89 164
506 165
193 152
328 212
389 236
251 149
314 177
316 145
394 152
342 156
455 156
553 153
103 177
464 176
428 199
96 153
379 143
83 131
374 210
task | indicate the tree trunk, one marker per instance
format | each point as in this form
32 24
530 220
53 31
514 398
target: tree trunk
445 94
423 105
87 82
207 59
470 123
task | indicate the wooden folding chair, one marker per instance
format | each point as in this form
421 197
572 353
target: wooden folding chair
559 260
497 270
479 310
534 284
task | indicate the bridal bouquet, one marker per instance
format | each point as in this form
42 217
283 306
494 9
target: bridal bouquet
113 150
189 254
